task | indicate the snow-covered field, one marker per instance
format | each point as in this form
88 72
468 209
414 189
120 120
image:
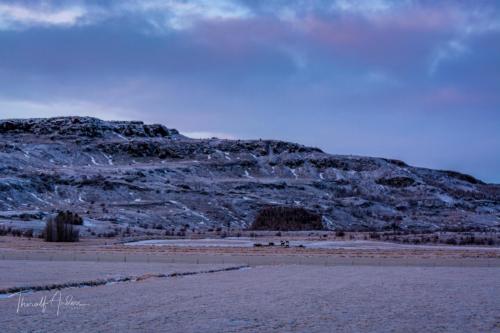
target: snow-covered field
281 298
25 273
246 242
355 285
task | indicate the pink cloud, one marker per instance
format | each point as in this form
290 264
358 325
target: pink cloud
238 38
393 39
450 96
399 40
446 96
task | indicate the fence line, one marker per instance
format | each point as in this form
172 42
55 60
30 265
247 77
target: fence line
252 260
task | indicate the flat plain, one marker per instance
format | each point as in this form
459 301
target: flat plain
242 289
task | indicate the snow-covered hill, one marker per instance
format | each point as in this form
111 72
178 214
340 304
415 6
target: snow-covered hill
136 174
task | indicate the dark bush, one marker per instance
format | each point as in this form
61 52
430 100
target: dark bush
451 241
286 218
57 230
339 233
28 233
394 226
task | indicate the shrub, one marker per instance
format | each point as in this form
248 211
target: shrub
110 234
394 226
396 181
451 241
286 218
339 233
57 230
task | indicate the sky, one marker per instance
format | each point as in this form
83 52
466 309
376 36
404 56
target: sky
413 80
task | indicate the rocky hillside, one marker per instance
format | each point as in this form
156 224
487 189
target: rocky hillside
134 174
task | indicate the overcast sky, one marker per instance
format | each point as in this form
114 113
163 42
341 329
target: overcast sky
413 80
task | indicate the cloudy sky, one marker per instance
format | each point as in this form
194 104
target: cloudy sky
413 80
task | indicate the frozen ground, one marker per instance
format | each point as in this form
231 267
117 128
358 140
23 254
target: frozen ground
210 242
28 273
194 252
283 298
310 244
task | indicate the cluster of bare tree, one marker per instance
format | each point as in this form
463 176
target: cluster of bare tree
61 228
286 219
